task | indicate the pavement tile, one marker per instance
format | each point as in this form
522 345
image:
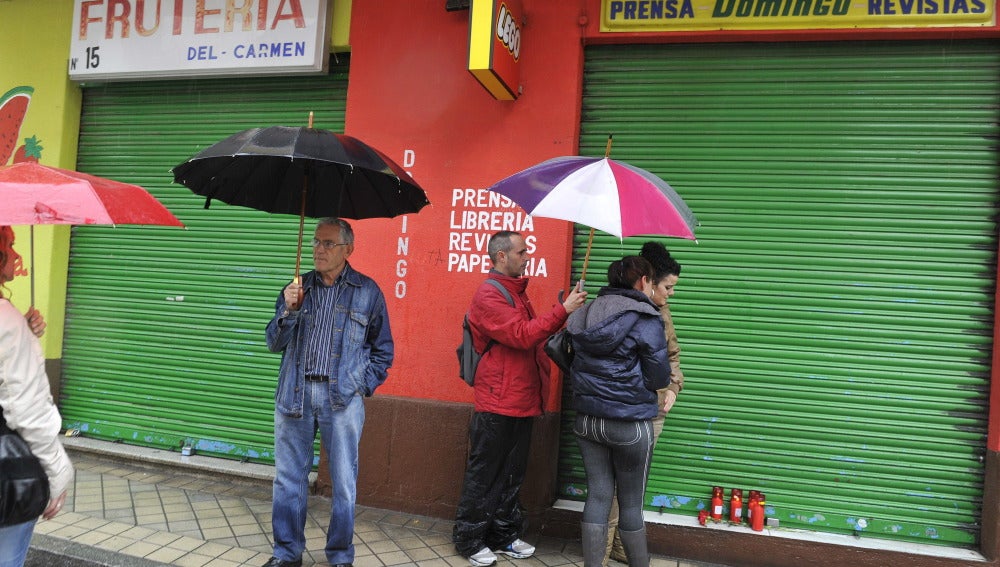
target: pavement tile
92 538
368 561
421 554
165 555
193 560
140 548
394 558
213 549
384 546
186 543
240 555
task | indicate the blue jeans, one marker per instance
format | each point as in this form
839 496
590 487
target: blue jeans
14 541
340 433
616 454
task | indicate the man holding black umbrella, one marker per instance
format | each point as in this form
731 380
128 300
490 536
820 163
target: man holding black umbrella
333 333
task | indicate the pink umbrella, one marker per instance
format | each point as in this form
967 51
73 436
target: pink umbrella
32 194
38 194
602 193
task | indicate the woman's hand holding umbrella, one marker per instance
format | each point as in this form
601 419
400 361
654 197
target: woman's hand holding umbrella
35 321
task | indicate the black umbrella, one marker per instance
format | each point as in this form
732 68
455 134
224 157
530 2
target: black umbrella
304 171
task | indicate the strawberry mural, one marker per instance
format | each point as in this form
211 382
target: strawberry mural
30 151
13 107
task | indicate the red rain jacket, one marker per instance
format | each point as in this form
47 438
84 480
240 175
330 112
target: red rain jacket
511 376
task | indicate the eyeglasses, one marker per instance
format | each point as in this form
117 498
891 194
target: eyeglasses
326 244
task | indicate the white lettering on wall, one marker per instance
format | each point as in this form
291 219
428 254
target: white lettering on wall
402 250
475 215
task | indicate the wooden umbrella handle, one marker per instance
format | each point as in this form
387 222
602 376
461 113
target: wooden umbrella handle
586 259
590 241
302 228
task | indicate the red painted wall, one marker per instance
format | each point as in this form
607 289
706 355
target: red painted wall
410 95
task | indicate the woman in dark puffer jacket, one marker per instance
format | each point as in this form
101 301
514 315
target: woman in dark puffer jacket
621 361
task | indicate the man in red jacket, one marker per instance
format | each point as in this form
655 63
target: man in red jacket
508 392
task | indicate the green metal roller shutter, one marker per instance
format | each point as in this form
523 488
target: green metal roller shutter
165 327
836 317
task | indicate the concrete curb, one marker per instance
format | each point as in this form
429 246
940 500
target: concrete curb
133 454
47 551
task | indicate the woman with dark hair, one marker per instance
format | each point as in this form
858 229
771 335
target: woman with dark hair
666 271
26 404
620 363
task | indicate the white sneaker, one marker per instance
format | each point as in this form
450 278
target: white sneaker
518 549
484 558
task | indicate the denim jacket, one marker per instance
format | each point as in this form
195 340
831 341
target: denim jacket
367 350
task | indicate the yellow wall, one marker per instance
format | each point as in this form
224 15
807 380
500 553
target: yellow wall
340 33
34 52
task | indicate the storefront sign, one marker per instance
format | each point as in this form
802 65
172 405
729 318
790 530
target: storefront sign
495 46
690 15
129 39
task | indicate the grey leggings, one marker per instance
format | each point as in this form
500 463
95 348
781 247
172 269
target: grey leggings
616 454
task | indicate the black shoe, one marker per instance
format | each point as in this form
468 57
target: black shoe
342 565
275 562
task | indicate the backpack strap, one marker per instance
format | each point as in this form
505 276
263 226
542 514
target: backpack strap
502 289
507 296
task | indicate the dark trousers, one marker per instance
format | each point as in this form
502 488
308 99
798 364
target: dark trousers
616 456
489 514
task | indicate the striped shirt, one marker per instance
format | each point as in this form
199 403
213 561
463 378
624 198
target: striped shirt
324 342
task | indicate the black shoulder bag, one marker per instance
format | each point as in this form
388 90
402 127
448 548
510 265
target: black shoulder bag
24 487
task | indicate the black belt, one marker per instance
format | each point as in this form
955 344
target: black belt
317 377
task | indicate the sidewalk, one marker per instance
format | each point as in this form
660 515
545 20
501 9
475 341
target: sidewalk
137 507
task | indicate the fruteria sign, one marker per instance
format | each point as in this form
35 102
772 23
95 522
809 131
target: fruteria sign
691 15
495 46
130 39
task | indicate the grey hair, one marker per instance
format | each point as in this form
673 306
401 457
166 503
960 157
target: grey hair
346 232
500 242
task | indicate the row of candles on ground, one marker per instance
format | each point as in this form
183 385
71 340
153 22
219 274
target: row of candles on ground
755 508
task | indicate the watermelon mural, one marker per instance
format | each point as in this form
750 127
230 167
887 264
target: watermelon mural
13 107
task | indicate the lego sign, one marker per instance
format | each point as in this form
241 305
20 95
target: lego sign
130 39
495 46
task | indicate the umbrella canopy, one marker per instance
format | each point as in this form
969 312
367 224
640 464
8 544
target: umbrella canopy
613 196
38 194
306 171
602 193
32 194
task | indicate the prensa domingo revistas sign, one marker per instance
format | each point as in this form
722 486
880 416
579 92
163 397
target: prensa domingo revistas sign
129 39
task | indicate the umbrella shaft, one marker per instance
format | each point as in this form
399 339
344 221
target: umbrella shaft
586 259
302 223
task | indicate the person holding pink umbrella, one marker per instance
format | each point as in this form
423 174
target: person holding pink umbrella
27 406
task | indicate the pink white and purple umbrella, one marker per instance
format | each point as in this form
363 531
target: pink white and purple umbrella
601 193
